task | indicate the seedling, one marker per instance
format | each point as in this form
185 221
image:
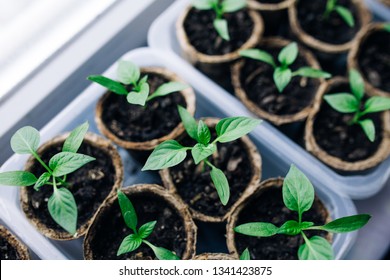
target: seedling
129 77
133 241
353 103
245 256
298 196
61 205
283 72
171 153
344 13
220 8
386 27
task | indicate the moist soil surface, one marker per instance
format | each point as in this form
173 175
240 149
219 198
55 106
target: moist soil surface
202 35
336 137
195 186
269 208
7 251
136 123
257 81
168 233
90 185
333 30
374 60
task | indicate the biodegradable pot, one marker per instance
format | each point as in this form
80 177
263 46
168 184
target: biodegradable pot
268 5
241 163
175 230
11 247
325 40
90 185
141 129
253 87
213 256
339 145
370 56
215 61
266 205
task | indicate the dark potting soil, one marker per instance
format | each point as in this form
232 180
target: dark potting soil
195 186
136 123
269 207
341 140
7 251
333 30
374 60
257 81
202 35
168 233
89 185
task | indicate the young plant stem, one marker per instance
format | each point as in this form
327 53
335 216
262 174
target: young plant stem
38 158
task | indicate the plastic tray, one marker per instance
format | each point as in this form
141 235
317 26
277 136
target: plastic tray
83 108
380 10
162 36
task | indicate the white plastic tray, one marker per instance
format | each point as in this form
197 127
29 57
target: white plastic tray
83 108
162 36
378 9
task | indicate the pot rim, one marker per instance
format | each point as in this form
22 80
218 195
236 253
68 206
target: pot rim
19 247
253 4
214 256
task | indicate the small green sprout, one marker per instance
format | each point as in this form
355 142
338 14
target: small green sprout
129 74
61 205
298 196
245 256
344 13
386 27
283 73
220 8
133 241
352 103
171 153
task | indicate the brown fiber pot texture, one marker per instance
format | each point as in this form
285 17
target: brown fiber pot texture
189 97
311 144
20 248
258 5
255 164
214 256
364 18
169 198
253 107
96 142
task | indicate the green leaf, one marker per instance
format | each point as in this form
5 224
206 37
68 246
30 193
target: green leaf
76 137
221 26
189 123
165 155
221 184
290 228
162 253
230 6
311 73
386 27
346 224
144 80
202 4
377 104
25 140
167 88
257 229
129 244
357 84
17 178
230 129
342 102
65 162
203 133
63 209
288 54
315 248
298 192
346 15
111 85
128 211
200 152
282 78
368 128
330 4
146 229
42 180
128 72
259 55
245 256
139 97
